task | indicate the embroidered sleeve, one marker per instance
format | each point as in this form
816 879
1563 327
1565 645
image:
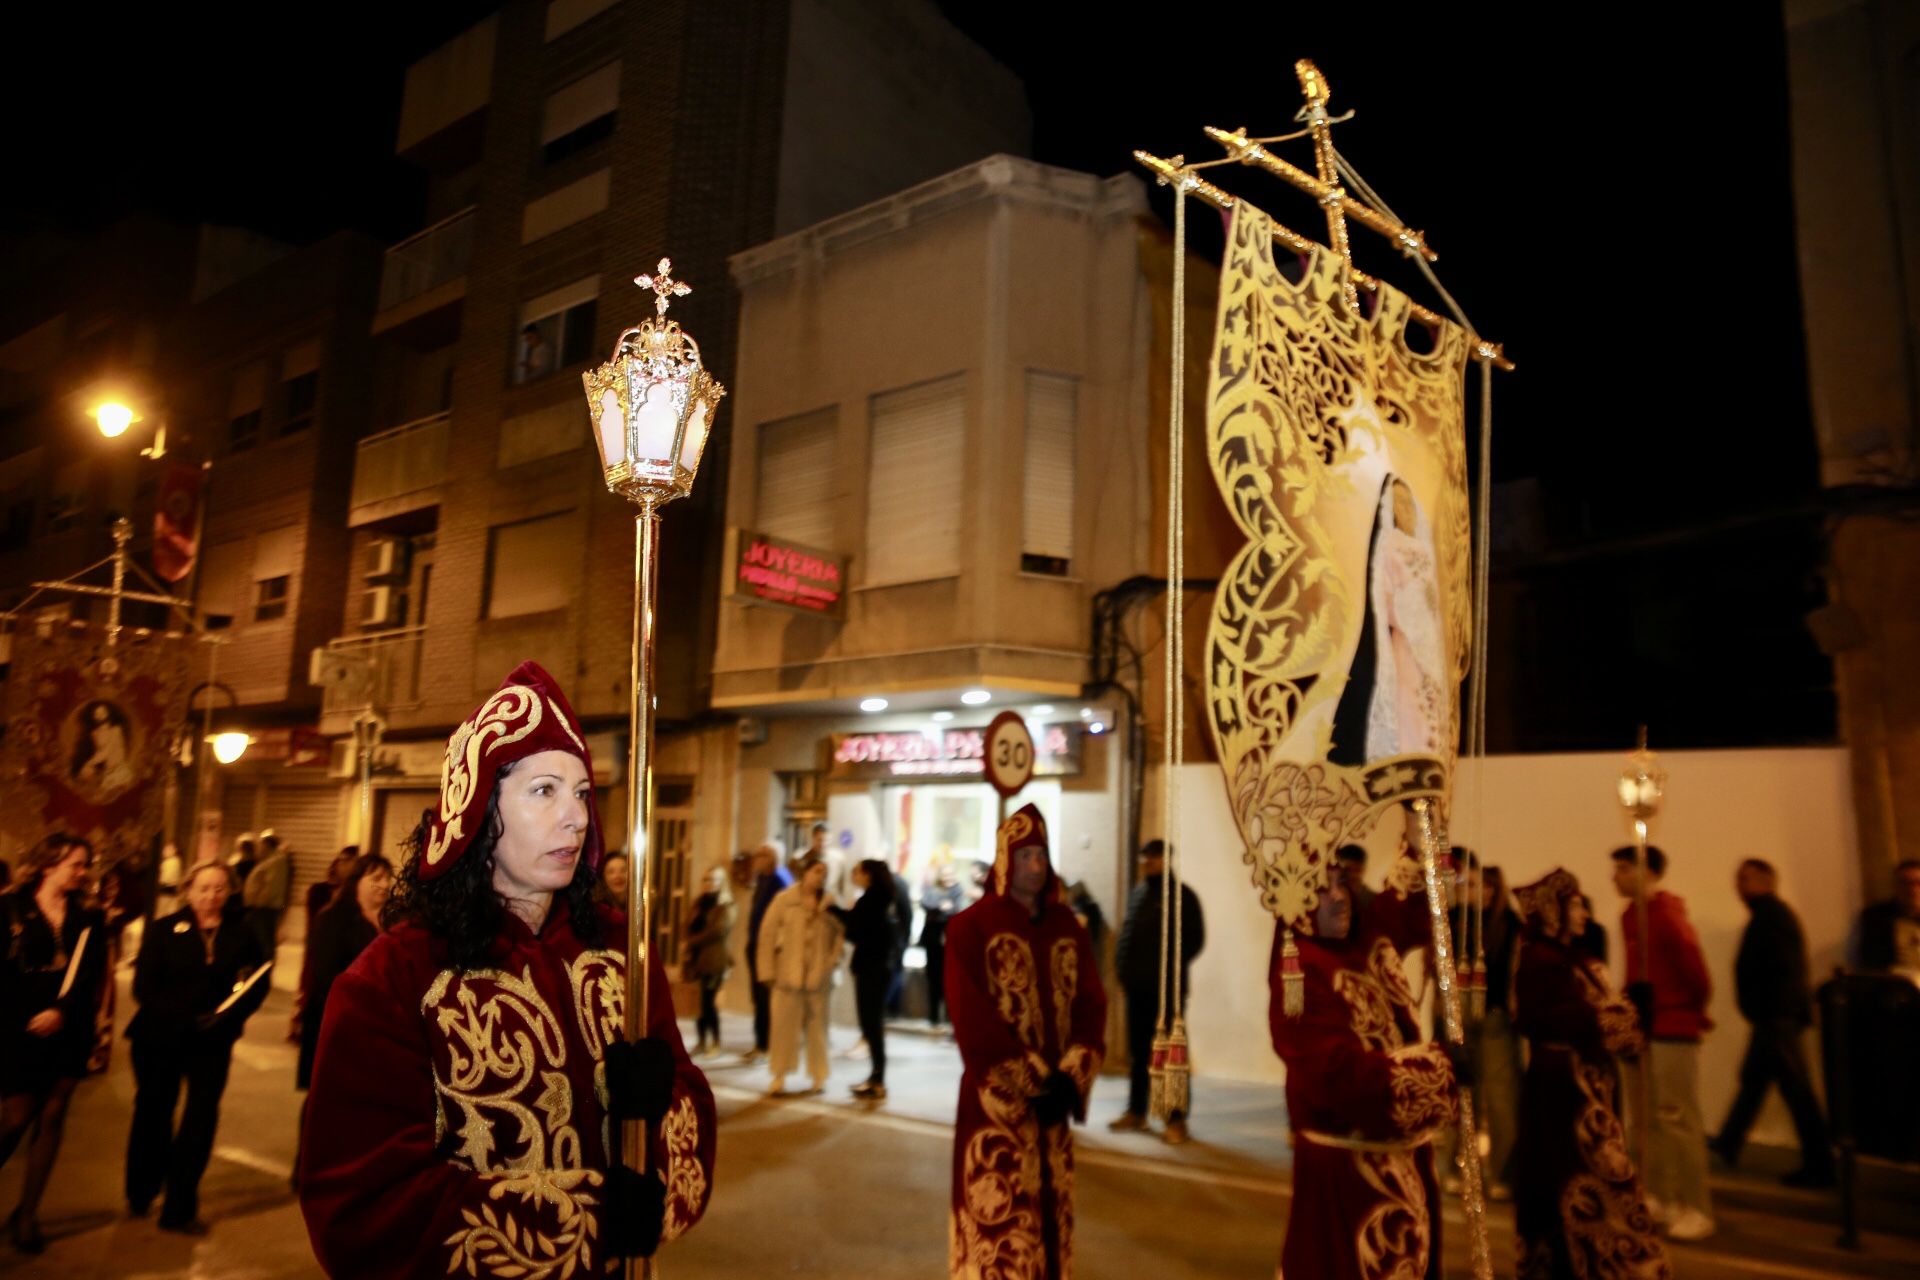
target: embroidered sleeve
685 1141
1421 1080
380 1195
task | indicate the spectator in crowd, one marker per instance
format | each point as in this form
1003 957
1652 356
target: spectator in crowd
942 900
242 862
51 972
1494 932
1770 982
201 974
1887 935
1352 865
267 892
709 950
1137 963
1671 994
901 920
319 894
798 951
615 882
869 926
769 880
347 924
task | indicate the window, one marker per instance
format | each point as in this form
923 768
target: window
915 480
244 404
16 527
270 598
300 385
556 330
580 114
1046 526
795 483
521 563
223 572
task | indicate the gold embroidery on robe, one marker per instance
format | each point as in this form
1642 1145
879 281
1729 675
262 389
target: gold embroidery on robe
996 1236
1392 1242
686 1180
1011 982
1060 1174
1066 981
1422 1083
500 1036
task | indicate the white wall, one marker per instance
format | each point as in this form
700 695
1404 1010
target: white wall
1791 807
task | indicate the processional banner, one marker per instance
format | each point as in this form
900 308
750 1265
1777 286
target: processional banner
89 732
1340 631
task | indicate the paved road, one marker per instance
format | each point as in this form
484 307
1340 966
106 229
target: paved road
823 1187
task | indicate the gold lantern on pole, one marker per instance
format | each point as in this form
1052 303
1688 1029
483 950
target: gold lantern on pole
652 406
1641 787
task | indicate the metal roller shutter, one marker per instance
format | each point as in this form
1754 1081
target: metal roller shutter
399 814
1047 507
796 484
916 474
307 820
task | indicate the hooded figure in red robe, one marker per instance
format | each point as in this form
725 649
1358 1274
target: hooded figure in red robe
1365 1093
471 1077
1030 1018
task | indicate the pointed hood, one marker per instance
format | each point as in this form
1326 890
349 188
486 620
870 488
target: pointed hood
1544 903
1026 828
527 715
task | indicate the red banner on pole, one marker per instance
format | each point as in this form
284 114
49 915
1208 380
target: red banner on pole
176 521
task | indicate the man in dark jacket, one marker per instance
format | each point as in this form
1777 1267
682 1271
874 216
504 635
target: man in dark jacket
1888 933
1137 963
1770 979
769 878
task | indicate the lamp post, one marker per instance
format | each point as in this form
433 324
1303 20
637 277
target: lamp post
652 405
1642 785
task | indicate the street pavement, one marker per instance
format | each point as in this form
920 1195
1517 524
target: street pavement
827 1186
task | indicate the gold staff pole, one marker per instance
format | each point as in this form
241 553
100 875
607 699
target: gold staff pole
652 404
1472 1189
1641 787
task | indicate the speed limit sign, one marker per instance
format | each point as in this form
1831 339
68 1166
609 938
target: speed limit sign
1009 753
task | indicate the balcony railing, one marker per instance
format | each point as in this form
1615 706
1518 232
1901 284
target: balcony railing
427 260
407 459
382 670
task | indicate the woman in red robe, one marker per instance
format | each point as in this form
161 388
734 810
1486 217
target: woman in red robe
1365 1094
471 1078
1579 1212
1030 1017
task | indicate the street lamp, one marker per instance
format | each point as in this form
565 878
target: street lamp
113 419
652 406
229 747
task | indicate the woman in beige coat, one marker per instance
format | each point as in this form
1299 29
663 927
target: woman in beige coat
800 944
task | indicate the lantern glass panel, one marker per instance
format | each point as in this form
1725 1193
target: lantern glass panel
613 430
696 441
658 417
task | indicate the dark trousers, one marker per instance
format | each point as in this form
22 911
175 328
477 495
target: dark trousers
936 979
1143 1011
264 922
708 1023
158 1154
1774 1057
870 998
762 1014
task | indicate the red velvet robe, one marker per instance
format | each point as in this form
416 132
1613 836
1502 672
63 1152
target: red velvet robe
1365 1096
1025 1000
1578 1208
457 1122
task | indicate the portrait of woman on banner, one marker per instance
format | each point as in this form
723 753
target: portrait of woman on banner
101 763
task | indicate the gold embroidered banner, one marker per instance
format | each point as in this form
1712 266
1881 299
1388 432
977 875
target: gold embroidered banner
88 734
1340 631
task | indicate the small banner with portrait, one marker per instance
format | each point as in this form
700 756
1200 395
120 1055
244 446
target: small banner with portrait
1340 630
89 731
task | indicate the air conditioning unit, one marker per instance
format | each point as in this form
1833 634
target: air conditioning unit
345 677
381 607
386 558
341 763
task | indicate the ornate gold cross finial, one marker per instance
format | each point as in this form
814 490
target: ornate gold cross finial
664 286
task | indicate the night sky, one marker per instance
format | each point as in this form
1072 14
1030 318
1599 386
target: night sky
1607 186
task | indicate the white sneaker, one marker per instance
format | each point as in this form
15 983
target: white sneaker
1690 1224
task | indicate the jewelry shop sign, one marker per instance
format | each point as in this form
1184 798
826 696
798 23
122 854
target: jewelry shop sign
763 569
958 754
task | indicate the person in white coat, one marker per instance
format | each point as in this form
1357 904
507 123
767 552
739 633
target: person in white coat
800 945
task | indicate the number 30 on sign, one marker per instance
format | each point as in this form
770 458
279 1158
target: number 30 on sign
1009 753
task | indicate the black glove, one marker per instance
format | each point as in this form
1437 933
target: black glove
636 1211
639 1079
206 1022
1640 995
1057 1099
1466 1072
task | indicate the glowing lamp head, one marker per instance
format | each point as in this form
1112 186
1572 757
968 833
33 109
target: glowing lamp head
228 747
1642 785
653 403
113 419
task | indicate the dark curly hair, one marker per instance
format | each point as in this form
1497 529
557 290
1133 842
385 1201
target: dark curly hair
461 907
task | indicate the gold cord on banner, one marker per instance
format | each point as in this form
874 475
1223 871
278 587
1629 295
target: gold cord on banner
1169 1075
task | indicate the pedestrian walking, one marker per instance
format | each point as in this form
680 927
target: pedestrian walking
769 880
942 900
54 965
901 919
472 1080
800 943
267 890
244 858
346 927
870 926
1672 994
1579 1208
1770 983
1137 962
1030 1017
709 945
199 977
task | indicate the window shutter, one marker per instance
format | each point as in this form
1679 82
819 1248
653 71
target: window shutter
303 358
222 572
249 390
530 565
795 487
559 300
582 102
274 553
1047 504
915 481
